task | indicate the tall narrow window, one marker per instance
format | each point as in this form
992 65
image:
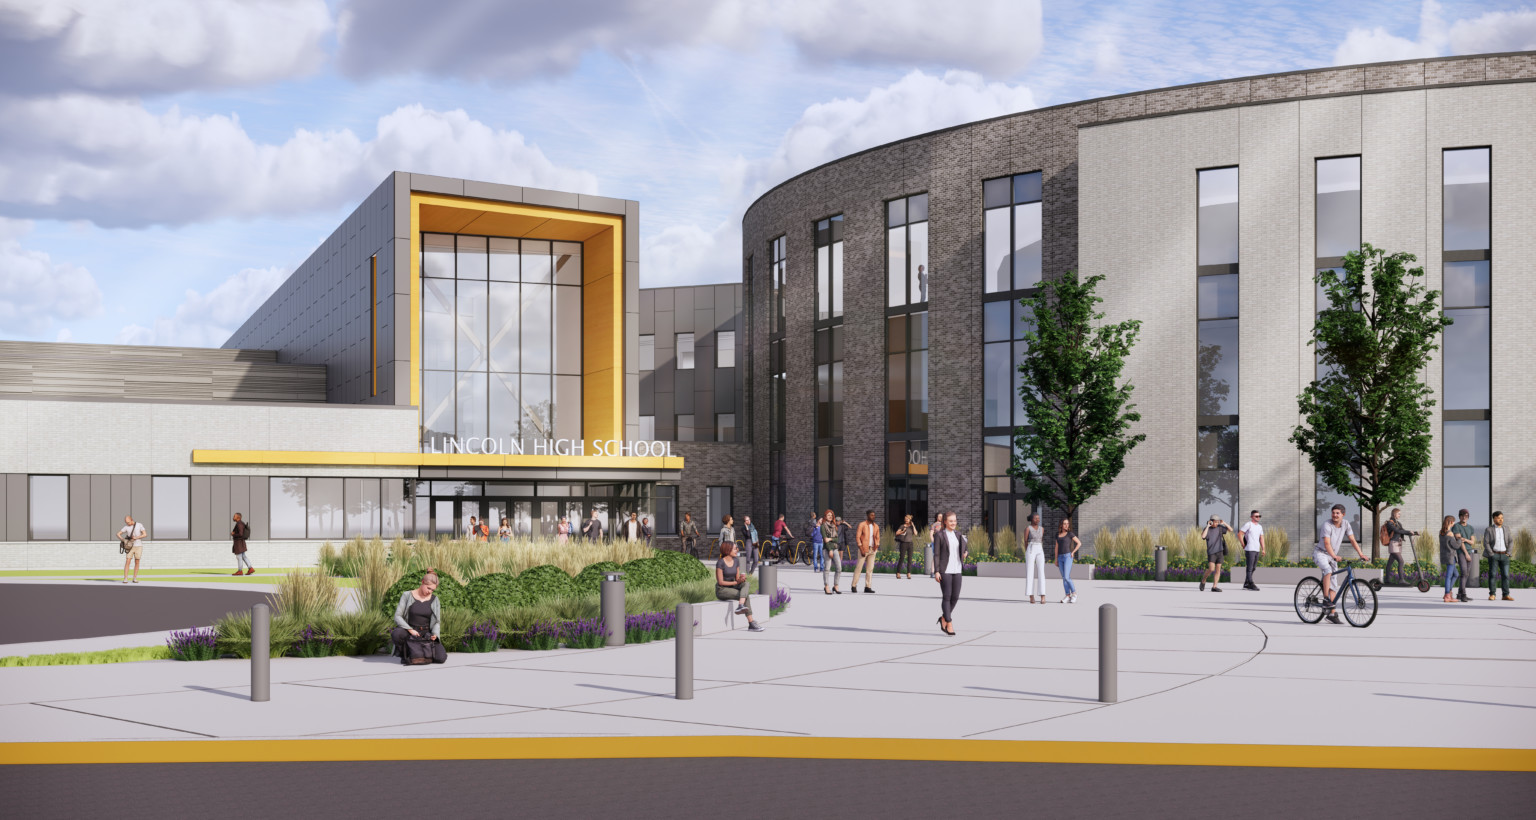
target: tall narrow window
1012 209
1216 346
684 348
906 251
1338 193
829 417
777 271
777 378
48 507
171 501
906 357
725 348
829 269
1466 261
648 351
373 325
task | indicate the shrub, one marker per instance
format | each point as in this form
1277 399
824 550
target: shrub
233 633
199 644
449 590
314 643
456 624
357 633
546 581
482 636
682 568
590 580
664 569
494 591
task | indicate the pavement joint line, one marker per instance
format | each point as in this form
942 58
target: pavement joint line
513 711
1403 657
1067 699
897 659
1397 681
741 746
125 720
1520 629
1044 668
579 711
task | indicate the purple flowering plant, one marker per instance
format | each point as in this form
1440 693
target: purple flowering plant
194 644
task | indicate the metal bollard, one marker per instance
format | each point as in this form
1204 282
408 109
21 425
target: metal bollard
1109 654
261 651
928 559
612 602
767 581
684 651
1160 555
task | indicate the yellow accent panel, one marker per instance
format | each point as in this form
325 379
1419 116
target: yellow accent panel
602 400
803 748
917 469
326 457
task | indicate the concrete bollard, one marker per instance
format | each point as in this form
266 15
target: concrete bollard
1160 555
928 560
767 581
1109 654
612 602
685 651
261 651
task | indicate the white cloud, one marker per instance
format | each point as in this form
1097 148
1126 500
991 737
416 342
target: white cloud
207 320
111 46
118 165
1489 33
690 255
915 104
35 290
509 41
64 335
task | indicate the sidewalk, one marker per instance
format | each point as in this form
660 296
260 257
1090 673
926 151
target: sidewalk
1236 667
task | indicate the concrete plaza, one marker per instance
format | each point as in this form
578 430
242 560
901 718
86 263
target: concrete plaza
1235 667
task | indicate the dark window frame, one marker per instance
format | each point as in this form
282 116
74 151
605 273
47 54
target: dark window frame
1486 414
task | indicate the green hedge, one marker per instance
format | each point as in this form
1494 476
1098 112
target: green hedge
500 590
451 592
494 591
590 580
546 581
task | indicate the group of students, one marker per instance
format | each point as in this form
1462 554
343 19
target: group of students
132 535
634 529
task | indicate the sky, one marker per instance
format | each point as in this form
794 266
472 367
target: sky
165 164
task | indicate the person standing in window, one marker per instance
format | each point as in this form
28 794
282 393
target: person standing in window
1215 535
632 531
832 556
505 532
239 532
1253 547
1496 541
689 532
1067 545
904 535
922 283
594 528
868 543
563 531
950 551
132 536
1396 534
1464 532
1452 551
1034 559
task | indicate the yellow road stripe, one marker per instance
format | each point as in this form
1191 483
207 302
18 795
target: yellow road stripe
980 751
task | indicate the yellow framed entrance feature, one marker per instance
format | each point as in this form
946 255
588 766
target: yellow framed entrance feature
602 280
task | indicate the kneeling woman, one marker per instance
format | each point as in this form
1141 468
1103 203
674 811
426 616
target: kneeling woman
419 613
731 583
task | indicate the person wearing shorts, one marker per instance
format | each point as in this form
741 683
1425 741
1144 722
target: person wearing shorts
1330 539
1215 534
132 535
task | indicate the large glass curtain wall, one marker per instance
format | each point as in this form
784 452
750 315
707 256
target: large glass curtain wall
1467 259
828 239
906 349
1012 269
1337 210
1216 353
500 339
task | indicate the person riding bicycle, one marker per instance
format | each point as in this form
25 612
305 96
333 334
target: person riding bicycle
689 531
780 532
1330 538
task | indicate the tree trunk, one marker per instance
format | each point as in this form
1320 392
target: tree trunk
1375 533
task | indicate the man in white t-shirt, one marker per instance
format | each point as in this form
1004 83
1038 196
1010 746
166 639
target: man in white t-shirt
1252 534
1330 539
132 536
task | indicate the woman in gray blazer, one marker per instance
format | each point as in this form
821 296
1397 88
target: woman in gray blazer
949 553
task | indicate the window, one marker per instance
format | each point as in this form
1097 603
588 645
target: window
829 268
685 431
48 506
501 339
1013 232
725 427
362 500
171 501
326 509
906 382
647 428
717 505
1338 203
684 348
829 383
1216 344
1467 265
666 510
906 251
725 348
288 502
1004 324
777 272
648 351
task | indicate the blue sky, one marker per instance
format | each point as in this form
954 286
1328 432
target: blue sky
165 163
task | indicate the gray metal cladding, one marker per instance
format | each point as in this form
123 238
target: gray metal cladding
54 370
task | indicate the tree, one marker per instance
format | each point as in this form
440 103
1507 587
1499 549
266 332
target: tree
1366 420
1079 416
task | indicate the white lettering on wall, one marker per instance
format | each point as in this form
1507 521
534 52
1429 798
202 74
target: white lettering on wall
608 448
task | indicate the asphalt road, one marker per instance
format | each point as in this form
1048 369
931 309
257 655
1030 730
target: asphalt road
746 788
55 612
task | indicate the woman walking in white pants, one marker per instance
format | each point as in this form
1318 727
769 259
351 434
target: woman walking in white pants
1034 559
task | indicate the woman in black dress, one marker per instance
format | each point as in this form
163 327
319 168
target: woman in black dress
419 614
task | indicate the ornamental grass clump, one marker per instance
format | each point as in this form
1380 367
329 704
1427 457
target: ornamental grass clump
200 644
1006 542
978 541
1277 543
483 636
306 594
1104 545
1524 547
1168 538
314 642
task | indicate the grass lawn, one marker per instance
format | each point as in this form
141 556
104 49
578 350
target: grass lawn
227 572
201 576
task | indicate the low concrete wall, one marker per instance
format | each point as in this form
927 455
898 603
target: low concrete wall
997 569
103 555
710 617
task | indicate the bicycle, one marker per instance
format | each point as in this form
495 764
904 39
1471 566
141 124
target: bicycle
1354 596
